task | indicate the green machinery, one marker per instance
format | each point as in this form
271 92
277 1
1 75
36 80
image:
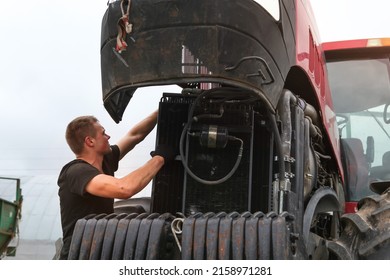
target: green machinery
10 213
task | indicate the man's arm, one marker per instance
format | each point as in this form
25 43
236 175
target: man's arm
137 134
123 188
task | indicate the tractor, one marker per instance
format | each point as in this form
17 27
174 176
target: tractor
261 171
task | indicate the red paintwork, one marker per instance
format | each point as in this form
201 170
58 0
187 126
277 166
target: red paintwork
351 44
350 207
356 44
310 58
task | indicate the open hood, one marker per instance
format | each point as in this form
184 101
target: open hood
187 43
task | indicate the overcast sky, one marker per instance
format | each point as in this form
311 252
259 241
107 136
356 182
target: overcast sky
50 73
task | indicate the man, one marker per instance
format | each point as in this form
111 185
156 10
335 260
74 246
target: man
87 184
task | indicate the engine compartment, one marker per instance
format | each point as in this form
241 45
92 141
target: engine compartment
229 145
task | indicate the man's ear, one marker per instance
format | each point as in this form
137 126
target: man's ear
89 141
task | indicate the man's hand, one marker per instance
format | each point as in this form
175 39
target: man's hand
164 151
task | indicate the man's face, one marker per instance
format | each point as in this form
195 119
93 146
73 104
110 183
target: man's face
101 139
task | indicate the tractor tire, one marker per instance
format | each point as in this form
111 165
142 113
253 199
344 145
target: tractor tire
366 233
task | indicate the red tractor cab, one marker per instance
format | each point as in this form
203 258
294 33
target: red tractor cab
359 78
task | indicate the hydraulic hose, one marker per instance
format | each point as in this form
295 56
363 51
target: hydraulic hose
278 146
203 181
232 94
281 163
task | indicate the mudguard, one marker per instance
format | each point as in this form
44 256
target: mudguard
188 42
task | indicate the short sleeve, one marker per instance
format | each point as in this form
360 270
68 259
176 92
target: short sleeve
79 175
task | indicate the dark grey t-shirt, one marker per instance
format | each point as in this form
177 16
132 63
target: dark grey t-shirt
75 202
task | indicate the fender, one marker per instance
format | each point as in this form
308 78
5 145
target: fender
323 200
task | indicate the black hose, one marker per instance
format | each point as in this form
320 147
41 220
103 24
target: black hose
278 145
197 178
